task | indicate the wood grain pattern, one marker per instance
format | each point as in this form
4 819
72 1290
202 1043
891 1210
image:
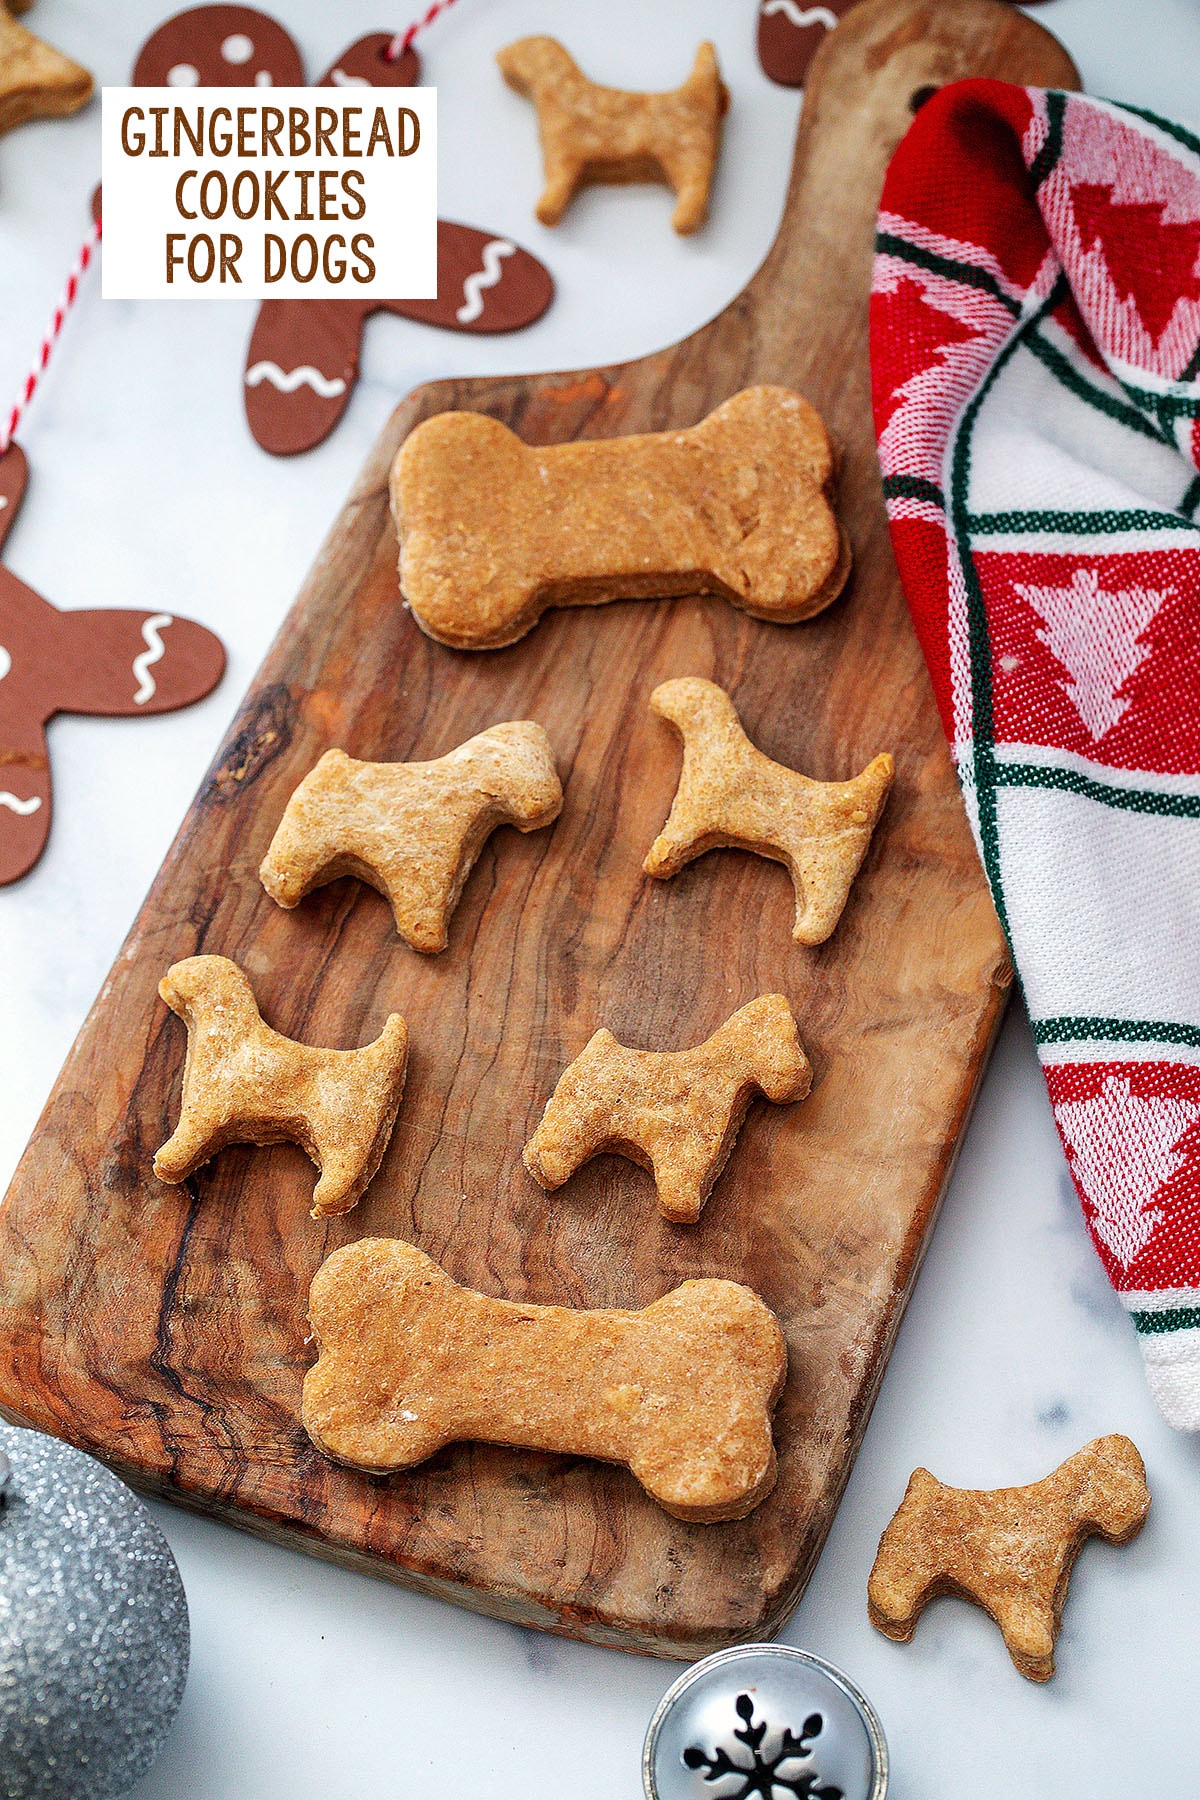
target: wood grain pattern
165 1328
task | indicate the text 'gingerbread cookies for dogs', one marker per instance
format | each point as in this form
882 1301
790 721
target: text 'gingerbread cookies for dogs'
413 830
493 531
1011 1550
732 796
681 1392
601 134
676 1113
246 1084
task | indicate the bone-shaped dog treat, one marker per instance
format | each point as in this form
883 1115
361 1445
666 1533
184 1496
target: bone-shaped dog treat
681 1392
1011 1550
676 1113
591 133
246 1084
493 531
413 830
36 82
730 794
108 662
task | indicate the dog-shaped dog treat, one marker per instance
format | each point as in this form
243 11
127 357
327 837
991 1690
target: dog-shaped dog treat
493 531
600 134
413 830
1011 1550
246 1084
676 1113
36 82
730 794
681 1392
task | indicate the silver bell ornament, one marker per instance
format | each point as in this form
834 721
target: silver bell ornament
93 1626
764 1720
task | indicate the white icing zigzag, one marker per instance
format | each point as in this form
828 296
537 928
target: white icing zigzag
340 78
812 15
147 686
24 807
287 381
486 277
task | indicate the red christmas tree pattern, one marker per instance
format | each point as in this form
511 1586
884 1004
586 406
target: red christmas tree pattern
1150 260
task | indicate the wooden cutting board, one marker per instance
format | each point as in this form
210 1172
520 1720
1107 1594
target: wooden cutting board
164 1328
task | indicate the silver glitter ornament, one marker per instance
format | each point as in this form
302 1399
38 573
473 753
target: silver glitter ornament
764 1720
93 1626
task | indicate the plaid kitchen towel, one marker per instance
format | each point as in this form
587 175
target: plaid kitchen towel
1035 348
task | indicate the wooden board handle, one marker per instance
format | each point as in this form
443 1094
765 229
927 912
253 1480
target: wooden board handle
880 57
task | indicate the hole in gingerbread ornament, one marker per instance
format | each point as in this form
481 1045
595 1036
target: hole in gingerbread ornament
183 75
237 48
918 97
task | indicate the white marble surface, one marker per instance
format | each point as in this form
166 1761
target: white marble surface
147 491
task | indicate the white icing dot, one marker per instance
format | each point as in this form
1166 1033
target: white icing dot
263 78
183 75
237 48
5 662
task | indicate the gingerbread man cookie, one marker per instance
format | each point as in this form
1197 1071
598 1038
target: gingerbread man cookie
368 62
731 795
676 1113
1010 1550
303 361
681 1392
246 1084
591 133
36 82
493 531
109 663
219 46
413 830
790 32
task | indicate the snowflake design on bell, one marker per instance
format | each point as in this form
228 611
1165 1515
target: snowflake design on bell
765 1775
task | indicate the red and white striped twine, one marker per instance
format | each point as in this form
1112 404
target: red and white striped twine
52 336
403 40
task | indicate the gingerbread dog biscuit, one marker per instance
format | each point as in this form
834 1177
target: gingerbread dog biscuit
731 795
36 82
595 134
109 663
493 531
246 1084
676 1113
681 1392
413 830
1011 1550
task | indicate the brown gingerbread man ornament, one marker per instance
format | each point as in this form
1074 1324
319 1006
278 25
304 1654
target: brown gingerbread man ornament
303 360
302 364
219 46
108 662
790 32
